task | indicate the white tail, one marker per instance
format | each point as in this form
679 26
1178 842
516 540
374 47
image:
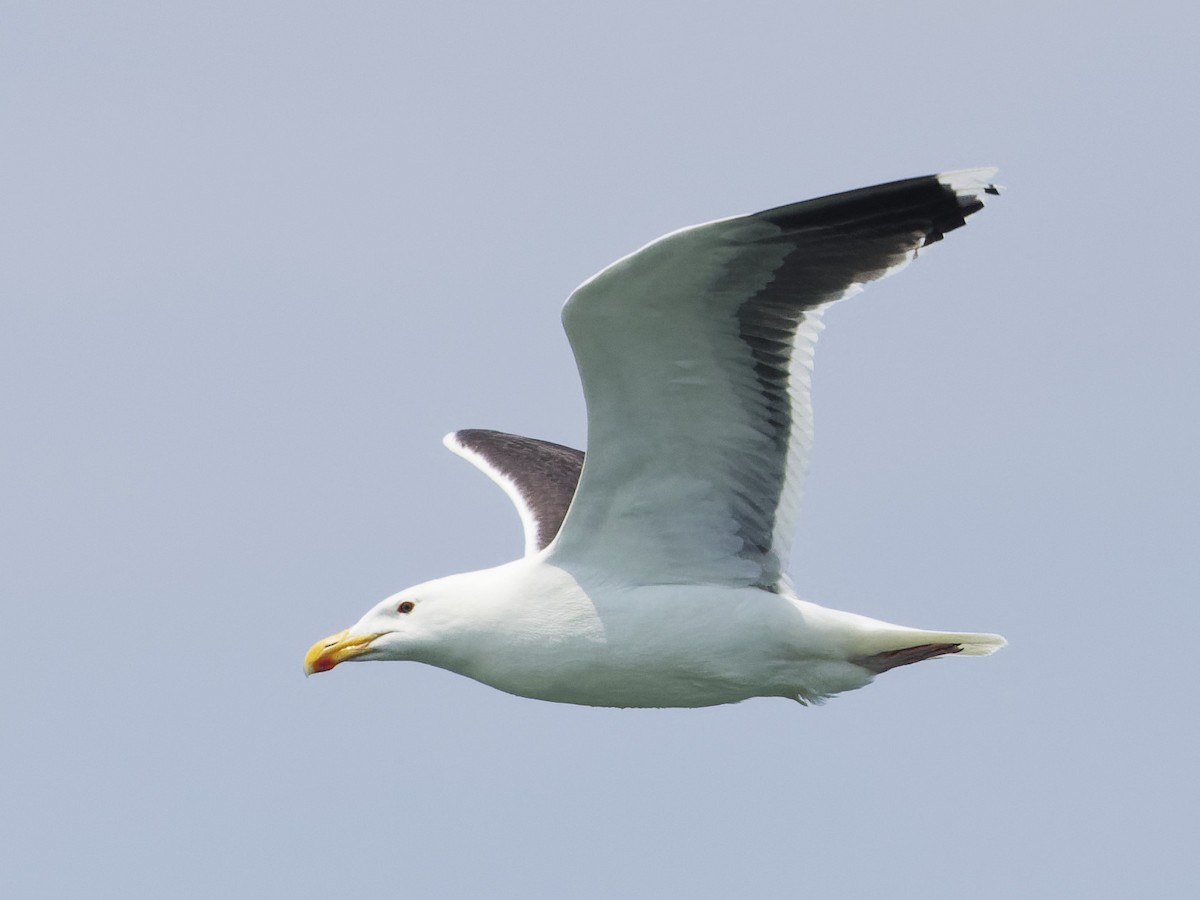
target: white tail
906 646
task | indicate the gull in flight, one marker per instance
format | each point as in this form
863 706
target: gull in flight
655 567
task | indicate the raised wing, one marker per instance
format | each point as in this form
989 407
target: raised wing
538 476
695 354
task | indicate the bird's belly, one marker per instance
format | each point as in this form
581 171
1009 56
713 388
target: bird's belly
609 680
637 653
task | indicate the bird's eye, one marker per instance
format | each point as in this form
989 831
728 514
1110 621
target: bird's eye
405 607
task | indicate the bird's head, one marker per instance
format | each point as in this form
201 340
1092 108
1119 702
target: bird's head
409 625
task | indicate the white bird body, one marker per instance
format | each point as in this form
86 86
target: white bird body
655 568
534 629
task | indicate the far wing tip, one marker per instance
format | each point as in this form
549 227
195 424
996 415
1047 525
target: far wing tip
971 182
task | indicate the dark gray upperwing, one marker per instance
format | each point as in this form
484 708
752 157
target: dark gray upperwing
538 476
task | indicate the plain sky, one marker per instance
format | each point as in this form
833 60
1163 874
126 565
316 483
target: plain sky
257 258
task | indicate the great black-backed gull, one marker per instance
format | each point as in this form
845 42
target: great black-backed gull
654 571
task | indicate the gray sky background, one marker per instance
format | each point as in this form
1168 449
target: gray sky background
256 258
